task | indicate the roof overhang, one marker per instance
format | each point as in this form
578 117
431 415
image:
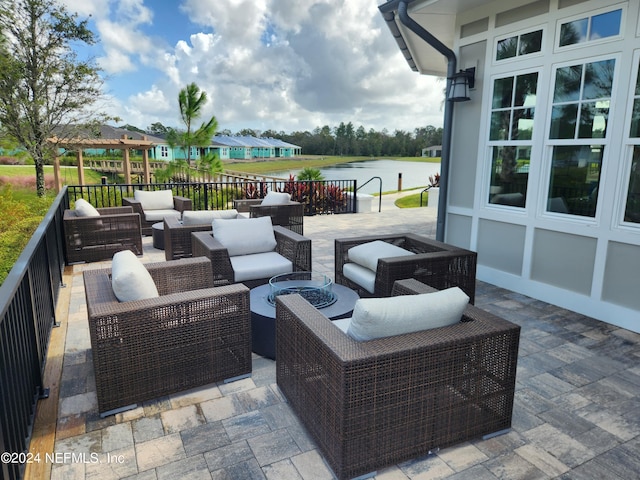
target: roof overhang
438 17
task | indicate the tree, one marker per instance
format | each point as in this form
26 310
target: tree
191 100
157 129
44 87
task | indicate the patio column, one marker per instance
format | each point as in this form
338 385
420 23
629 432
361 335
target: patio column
126 166
80 167
56 173
145 163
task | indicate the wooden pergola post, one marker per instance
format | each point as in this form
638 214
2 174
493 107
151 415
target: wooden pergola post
80 167
145 163
126 164
56 173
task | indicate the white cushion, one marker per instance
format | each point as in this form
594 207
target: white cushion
276 198
156 200
85 209
203 217
158 215
246 236
367 254
384 317
361 275
342 324
130 279
259 265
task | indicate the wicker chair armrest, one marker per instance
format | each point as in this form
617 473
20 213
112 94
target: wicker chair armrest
182 203
204 244
243 204
294 247
130 201
410 286
114 210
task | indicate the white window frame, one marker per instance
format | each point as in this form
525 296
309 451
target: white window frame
592 13
518 34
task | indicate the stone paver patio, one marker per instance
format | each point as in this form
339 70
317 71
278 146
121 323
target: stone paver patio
576 413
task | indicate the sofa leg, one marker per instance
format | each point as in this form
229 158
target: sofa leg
239 377
366 475
496 434
118 410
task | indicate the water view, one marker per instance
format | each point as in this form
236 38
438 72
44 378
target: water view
414 174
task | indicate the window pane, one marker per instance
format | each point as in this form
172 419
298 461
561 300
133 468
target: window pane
574 32
605 25
530 42
632 211
593 120
638 81
502 92
567 86
522 128
500 125
563 121
526 86
509 175
635 120
507 48
598 79
575 175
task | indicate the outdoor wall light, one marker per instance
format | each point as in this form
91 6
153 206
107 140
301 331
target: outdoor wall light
461 82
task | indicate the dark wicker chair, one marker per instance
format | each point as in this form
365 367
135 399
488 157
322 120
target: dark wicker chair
369 405
91 239
191 335
290 245
180 204
290 215
437 264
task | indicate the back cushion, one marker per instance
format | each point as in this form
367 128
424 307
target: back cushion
384 317
367 254
276 198
130 280
158 200
203 217
245 236
85 209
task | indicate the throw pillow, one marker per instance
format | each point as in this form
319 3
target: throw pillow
367 254
130 280
245 236
384 317
203 217
156 200
275 198
85 209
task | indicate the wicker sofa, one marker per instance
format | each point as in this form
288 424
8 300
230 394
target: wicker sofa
435 263
369 405
154 206
92 239
192 334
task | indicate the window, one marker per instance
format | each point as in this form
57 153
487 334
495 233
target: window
589 29
164 151
519 45
632 207
511 132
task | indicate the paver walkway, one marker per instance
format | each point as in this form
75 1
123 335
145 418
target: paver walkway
576 413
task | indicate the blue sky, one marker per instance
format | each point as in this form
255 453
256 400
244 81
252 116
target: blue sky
264 64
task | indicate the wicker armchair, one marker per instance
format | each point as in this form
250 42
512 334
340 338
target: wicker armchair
191 335
437 264
148 218
369 405
91 239
293 247
289 215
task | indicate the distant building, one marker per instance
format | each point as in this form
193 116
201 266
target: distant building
433 151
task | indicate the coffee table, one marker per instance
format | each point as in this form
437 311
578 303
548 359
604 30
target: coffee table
157 232
263 315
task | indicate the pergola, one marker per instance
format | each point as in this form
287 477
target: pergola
125 144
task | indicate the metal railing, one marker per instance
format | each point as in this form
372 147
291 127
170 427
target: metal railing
379 190
28 298
319 197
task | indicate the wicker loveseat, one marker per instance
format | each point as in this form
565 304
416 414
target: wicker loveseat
91 239
372 404
435 263
282 210
193 334
154 206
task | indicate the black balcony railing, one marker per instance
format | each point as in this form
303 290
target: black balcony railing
28 298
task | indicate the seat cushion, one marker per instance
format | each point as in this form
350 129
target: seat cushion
130 280
367 254
385 317
276 198
205 217
158 215
246 236
361 275
259 265
85 209
156 200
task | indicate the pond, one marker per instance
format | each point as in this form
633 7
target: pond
414 174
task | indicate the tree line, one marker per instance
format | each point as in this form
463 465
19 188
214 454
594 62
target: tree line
344 139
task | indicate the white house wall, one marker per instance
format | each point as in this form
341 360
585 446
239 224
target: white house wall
587 264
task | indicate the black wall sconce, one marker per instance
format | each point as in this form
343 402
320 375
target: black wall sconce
461 82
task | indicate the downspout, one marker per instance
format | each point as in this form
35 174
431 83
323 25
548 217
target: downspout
448 111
